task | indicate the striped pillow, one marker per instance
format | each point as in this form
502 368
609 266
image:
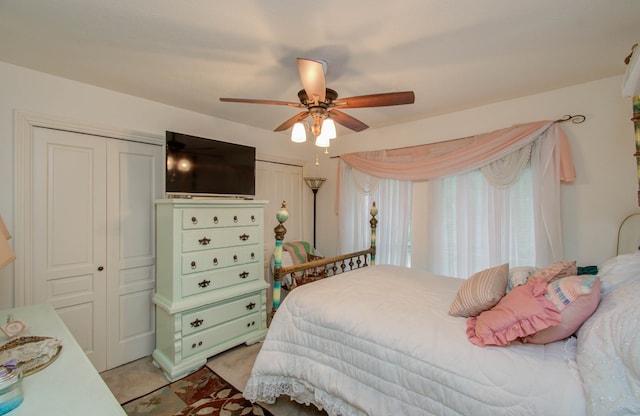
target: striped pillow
481 292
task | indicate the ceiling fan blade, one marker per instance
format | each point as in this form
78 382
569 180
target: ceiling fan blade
347 121
312 77
293 120
253 101
377 100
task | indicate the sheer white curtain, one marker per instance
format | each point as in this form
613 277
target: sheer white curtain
358 191
507 211
473 225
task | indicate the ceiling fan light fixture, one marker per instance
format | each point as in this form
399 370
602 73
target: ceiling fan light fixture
298 133
316 127
322 141
329 128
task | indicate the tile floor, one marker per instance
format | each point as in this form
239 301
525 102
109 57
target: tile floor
141 377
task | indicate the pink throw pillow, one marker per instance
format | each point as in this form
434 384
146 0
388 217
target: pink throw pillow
573 316
523 311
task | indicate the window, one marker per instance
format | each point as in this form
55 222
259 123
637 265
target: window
474 225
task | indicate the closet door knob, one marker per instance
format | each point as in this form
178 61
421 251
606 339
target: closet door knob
100 268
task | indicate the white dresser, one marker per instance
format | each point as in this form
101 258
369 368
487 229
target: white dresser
210 288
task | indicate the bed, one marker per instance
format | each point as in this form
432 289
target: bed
380 340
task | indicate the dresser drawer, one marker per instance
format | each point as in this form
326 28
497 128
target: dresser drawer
203 261
214 315
204 282
203 340
220 217
208 238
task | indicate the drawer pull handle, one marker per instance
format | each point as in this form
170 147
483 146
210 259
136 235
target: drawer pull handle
244 275
194 220
199 344
215 261
253 218
215 220
204 283
251 306
193 265
235 218
235 258
244 237
197 323
253 256
252 323
204 241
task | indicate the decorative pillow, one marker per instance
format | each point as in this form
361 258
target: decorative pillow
480 292
573 316
563 292
619 270
519 276
556 270
523 311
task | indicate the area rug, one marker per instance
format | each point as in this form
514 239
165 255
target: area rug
202 393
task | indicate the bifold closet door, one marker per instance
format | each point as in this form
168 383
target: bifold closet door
93 239
134 182
69 240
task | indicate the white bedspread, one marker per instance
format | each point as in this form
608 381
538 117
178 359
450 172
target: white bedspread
379 341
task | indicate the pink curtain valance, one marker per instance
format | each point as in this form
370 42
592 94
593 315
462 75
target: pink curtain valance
454 157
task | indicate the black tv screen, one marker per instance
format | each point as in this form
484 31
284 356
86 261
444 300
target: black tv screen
197 166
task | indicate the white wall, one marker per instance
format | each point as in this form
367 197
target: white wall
603 147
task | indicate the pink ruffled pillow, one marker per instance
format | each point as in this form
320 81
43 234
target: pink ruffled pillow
523 311
573 315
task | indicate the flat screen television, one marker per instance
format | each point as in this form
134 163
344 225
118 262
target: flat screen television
197 166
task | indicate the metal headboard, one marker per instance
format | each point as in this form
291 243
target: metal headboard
629 234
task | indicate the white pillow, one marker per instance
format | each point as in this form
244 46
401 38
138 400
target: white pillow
519 276
608 353
619 270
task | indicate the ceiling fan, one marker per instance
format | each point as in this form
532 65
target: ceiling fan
322 103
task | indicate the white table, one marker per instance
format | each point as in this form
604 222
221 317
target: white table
68 386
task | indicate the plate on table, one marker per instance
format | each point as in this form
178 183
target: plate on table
32 353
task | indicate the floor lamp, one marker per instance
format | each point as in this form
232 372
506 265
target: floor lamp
314 184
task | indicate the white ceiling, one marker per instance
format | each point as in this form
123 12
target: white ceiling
454 54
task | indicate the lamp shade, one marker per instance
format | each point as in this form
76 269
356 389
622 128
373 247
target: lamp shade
322 141
298 134
631 78
329 128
